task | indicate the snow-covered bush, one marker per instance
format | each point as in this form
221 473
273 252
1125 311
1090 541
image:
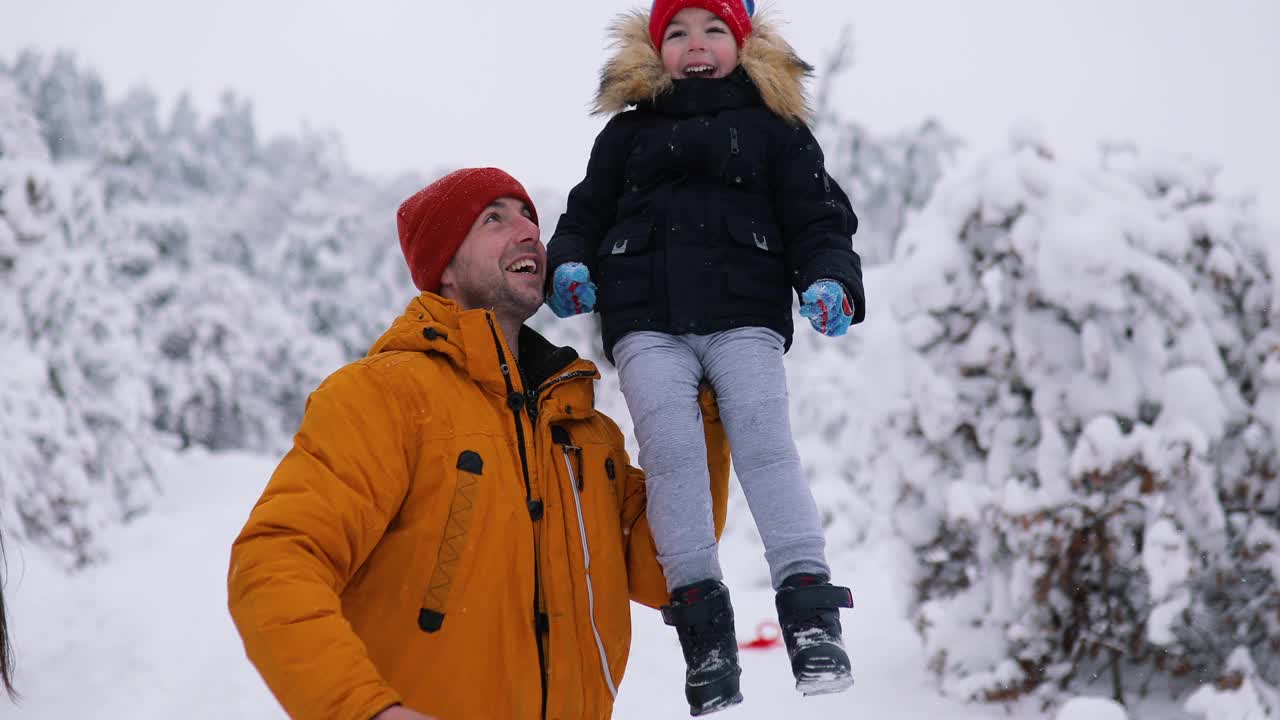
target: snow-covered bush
1238 694
1086 449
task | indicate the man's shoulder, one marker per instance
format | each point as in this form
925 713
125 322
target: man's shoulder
388 360
385 371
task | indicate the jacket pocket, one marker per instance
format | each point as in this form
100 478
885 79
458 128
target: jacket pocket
625 264
452 558
756 267
755 233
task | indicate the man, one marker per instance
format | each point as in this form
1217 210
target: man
456 531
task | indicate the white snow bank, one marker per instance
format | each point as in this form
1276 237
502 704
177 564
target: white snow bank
1092 708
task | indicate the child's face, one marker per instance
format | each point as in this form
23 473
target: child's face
697 43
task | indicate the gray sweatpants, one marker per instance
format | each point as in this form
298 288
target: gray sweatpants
660 374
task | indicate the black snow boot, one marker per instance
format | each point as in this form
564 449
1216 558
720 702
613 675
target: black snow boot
703 618
809 613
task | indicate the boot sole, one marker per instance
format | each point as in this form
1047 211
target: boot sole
714 696
824 684
715 704
822 670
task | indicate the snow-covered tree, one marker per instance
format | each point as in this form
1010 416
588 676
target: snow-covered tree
69 101
1081 454
78 410
165 286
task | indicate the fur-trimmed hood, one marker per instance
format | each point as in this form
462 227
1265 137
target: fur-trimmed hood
635 73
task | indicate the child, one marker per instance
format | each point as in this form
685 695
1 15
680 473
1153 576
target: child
702 209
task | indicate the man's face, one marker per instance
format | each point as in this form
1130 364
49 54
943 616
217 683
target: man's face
501 264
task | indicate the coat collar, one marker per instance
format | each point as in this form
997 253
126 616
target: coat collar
700 97
635 74
471 341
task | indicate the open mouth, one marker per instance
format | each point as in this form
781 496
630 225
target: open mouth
524 266
700 70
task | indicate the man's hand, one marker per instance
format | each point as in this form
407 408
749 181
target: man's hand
572 292
399 712
827 307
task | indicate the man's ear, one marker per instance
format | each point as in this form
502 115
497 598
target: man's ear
448 288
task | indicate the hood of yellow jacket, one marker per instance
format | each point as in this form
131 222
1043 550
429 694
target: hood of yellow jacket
471 341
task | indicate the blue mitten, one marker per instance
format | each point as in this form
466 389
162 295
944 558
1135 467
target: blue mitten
826 305
572 292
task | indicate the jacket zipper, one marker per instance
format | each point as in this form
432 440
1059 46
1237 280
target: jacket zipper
563 378
586 560
512 402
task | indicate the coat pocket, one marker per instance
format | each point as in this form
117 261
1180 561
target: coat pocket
452 559
756 266
755 234
625 264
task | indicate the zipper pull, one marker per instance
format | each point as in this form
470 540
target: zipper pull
531 405
582 477
733 141
561 437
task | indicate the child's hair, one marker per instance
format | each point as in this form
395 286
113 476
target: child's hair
6 650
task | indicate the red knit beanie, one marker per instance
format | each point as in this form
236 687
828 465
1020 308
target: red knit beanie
735 13
434 221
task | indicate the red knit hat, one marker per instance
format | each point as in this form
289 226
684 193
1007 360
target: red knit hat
735 13
434 221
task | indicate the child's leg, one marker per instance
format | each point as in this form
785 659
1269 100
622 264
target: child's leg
659 374
745 367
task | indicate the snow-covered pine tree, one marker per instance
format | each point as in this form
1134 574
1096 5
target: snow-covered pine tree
79 412
164 284
1082 410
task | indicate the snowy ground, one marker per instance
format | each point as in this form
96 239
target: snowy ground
147 635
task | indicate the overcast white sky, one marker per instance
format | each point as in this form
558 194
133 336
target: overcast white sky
425 85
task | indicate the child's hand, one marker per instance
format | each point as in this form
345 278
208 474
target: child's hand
572 292
826 305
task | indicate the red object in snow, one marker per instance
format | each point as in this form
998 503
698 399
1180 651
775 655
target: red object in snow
768 636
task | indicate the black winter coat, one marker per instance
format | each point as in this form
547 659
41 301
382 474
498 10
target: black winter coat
701 211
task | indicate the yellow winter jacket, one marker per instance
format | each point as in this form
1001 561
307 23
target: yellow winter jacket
445 536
